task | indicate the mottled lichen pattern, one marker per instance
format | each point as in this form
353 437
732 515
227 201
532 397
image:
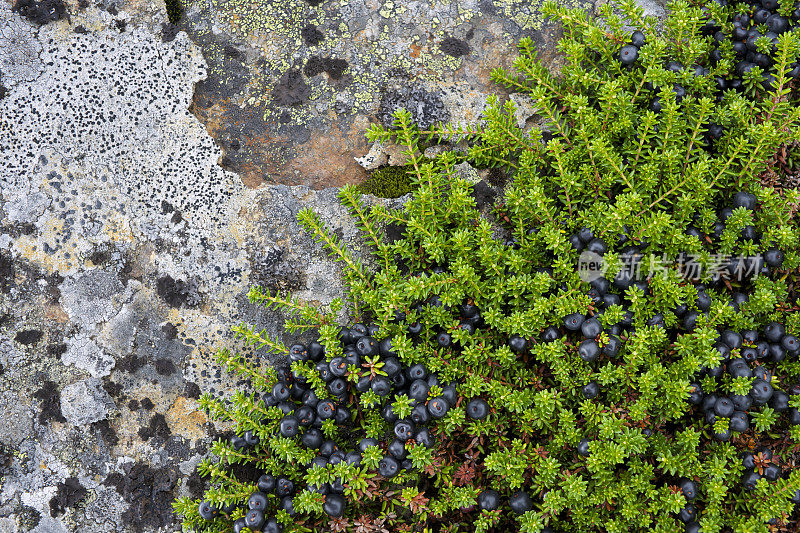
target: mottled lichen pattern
126 252
362 52
19 55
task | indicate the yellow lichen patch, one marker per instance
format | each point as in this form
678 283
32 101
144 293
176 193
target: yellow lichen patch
33 250
185 419
118 228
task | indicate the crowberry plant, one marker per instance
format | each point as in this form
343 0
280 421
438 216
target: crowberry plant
486 383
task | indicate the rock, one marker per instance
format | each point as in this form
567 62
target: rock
525 108
425 106
85 402
466 171
16 418
83 352
8 525
376 157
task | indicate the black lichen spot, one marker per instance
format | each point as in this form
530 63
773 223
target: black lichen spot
28 336
113 388
51 402
99 256
394 231
157 430
26 228
314 3
487 7
547 136
133 405
311 35
3 92
291 89
470 34
174 11
176 217
147 404
126 272
245 472
166 207
6 455
232 52
454 47
107 432
170 330
483 194
164 367
6 272
335 67
121 25
41 12
317 65
130 363
51 290
56 350
2 369
168 32
149 493
496 177
69 494
178 293
226 163
196 485
192 390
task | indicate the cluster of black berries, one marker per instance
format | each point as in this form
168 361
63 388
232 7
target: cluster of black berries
688 515
629 53
304 413
628 56
739 350
743 354
632 271
771 259
746 30
761 464
254 519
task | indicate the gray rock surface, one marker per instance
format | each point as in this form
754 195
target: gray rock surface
85 402
127 245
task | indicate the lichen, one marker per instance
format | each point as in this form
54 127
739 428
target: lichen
174 10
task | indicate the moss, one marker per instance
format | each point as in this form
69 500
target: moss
388 182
